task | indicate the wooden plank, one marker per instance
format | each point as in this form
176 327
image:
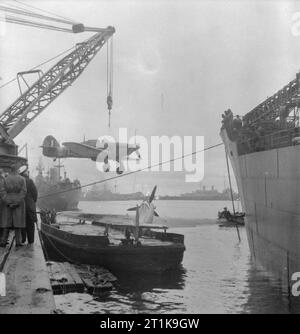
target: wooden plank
73 273
64 278
95 288
28 285
96 279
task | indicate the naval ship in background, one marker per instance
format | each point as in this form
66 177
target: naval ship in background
57 193
103 193
264 151
204 194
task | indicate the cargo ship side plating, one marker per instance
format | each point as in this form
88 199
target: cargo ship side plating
265 157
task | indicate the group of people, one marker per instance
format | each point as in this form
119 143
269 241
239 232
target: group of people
18 196
231 124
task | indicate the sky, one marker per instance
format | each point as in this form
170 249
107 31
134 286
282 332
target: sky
177 66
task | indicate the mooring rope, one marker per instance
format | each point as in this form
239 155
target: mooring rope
132 172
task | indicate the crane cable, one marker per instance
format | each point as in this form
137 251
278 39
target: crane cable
41 64
32 14
16 20
45 11
109 77
133 172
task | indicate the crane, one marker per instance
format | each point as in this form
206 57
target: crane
48 86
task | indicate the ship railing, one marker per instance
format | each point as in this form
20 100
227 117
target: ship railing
278 139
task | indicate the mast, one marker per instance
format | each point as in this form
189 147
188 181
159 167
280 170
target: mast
58 166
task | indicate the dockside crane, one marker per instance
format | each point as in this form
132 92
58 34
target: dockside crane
47 87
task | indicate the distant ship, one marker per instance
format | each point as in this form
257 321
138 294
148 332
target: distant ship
57 193
203 194
96 194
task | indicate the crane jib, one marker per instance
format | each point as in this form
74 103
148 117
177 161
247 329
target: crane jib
51 84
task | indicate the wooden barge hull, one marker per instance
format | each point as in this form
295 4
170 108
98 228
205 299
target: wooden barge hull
94 250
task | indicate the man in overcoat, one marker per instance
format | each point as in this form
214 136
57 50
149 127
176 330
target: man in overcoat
30 203
12 194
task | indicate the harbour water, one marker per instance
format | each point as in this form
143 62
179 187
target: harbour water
217 275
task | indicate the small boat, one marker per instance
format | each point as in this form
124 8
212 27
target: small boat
229 219
106 240
102 242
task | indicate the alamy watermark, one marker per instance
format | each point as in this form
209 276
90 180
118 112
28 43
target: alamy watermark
159 153
296 285
295 24
2 24
2 285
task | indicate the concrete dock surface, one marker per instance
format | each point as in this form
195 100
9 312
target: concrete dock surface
28 288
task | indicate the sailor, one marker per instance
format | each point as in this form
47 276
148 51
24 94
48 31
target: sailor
226 213
12 193
30 202
127 234
227 121
237 123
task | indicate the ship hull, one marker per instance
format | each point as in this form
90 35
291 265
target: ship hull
269 187
52 199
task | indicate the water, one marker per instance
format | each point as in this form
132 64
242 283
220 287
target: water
217 275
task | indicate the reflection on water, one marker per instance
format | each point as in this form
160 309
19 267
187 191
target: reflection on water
174 279
147 293
217 275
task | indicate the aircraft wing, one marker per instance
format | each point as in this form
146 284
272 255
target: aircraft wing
82 150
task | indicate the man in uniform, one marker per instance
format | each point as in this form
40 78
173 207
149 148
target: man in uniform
30 202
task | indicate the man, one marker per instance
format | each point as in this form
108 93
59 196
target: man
226 213
237 123
12 194
30 202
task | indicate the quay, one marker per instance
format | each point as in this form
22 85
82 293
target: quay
28 288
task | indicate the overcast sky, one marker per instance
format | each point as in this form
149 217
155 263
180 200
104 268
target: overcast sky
177 66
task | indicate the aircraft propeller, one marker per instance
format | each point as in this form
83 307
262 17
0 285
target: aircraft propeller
149 200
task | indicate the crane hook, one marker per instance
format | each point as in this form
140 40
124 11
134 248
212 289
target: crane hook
109 107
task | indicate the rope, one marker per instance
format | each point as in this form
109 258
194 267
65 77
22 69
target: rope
109 71
109 78
231 193
45 11
229 179
111 66
32 14
133 172
13 19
